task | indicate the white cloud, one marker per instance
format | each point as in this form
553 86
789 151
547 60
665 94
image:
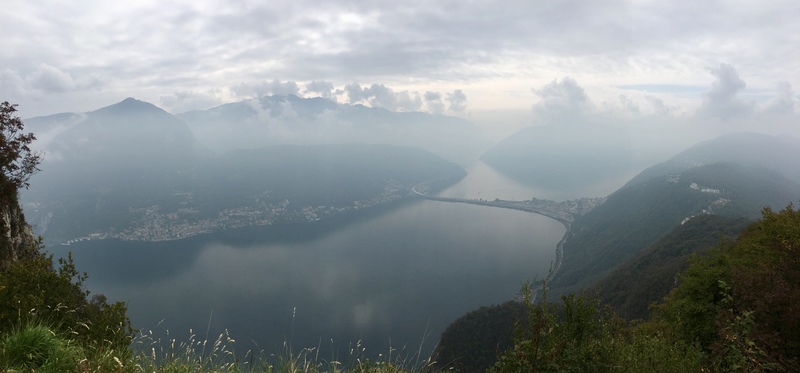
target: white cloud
265 88
433 100
354 93
457 100
659 108
322 88
562 101
183 101
721 100
783 103
408 101
49 78
628 104
379 95
150 49
11 84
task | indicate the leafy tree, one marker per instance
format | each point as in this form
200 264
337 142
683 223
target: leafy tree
740 301
17 161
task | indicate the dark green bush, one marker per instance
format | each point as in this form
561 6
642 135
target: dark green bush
32 289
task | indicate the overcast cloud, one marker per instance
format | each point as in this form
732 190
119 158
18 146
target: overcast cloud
721 61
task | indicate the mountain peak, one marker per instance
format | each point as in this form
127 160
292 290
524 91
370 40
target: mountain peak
130 106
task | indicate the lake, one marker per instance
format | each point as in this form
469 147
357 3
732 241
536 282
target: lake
391 277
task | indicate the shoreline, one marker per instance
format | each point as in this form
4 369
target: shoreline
514 205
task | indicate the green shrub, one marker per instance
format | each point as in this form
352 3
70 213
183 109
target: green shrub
582 336
36 347
740 301
31 289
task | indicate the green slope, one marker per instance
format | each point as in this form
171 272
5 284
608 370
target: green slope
638 215
650 275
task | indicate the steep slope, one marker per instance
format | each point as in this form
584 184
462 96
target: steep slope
638 215
16 236
650 275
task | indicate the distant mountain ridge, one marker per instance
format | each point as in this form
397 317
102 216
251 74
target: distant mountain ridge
133 128
134 166
292 120
779 153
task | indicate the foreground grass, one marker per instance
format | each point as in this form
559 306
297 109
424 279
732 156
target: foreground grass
37 347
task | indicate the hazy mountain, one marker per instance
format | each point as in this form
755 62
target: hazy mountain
135 132
779 153
562 156
638 215
330 175
48 127
131 143
98 163
132 166
291 120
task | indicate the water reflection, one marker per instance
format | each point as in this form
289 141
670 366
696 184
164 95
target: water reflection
487 183
388 280
393 277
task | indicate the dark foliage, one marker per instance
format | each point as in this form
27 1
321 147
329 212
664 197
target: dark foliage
734 309
740 301
628 222
17 161
649 276
33 289
579 335
475 341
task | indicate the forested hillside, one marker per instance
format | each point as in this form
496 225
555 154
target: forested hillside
732 309
630 251
638 215
649 276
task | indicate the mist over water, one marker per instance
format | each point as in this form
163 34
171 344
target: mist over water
395 278
484 182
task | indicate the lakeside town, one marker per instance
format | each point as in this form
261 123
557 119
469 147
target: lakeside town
156 223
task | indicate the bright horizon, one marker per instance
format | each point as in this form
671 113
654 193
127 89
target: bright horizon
623 58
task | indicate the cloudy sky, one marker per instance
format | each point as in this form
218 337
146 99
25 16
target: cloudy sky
717 59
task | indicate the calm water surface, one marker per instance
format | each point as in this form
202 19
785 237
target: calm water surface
394 278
